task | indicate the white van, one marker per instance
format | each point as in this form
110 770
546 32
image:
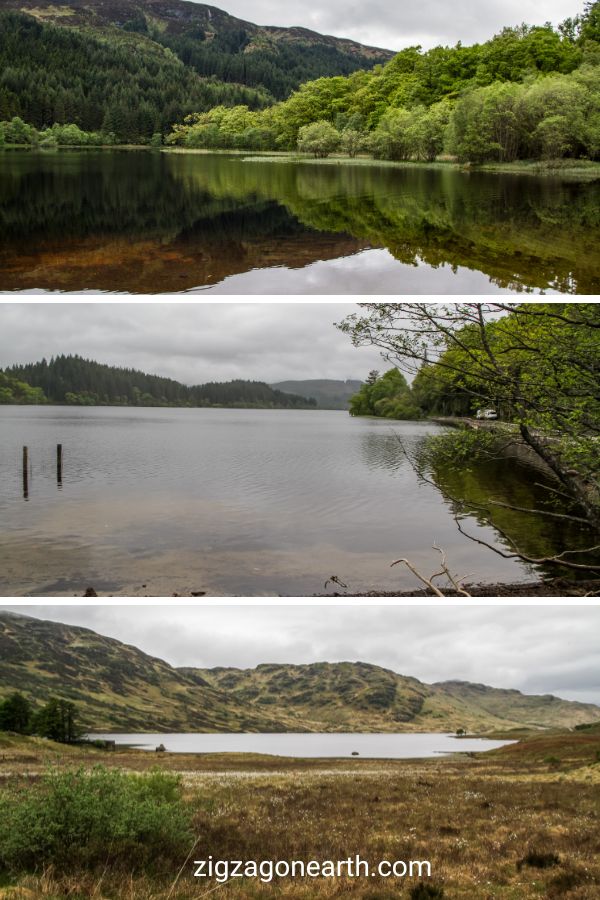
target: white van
486 414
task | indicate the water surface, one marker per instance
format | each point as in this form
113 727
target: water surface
224 501
369 746
146 222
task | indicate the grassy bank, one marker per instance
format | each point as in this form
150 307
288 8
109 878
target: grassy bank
580 169
513 823
562 168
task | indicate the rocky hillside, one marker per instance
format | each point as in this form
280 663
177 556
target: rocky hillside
118 687
359 696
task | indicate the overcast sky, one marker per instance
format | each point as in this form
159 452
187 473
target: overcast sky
193 343
386 23
534 649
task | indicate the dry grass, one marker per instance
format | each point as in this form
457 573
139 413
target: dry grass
517 823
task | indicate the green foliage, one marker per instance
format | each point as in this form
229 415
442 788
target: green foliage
321 138
13 390
72 820
15 714
102 82
77 381
537 364
353 142
69 135
223 127
388 396
528 93
551 117
16 131
57 721
277 67
459 447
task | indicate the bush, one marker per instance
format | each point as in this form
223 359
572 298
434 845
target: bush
424 891
539 860
458 448
320 139
76 819
353 142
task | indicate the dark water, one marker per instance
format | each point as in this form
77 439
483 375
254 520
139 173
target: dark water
151 222
240 502
369 746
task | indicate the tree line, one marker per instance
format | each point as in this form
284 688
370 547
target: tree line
131 83
56 719
74 380
528 93
537 365
111 85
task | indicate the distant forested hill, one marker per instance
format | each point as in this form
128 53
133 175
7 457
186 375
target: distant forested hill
134 67
72 379
329 393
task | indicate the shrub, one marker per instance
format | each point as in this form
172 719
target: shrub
538 860
552 760
353 142
423 891
458 448
320 139
77 819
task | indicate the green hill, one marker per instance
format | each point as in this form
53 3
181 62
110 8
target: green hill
134 67
83 382
329 393
117 687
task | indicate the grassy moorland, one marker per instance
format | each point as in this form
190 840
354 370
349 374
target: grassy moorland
117 687
521 822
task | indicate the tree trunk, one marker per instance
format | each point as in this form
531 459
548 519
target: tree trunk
573 482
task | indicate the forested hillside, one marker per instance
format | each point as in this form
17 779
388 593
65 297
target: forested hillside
328 392
132 68
529 92
118 84
74 380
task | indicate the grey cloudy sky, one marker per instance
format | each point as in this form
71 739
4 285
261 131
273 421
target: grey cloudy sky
535 649
191 342
385 23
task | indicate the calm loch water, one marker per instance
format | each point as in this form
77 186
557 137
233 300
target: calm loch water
222 501
369 746
149 222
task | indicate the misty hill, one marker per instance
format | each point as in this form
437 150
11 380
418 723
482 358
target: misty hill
118 687
329 393
137 66
74 380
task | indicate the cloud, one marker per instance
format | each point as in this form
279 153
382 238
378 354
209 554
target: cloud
382 23
191 342
535 649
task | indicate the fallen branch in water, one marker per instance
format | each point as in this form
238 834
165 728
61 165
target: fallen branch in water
456 582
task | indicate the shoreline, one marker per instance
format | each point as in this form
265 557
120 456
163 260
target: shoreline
582 169
557 587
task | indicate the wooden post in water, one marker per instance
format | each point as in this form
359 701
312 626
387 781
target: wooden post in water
59 461
25 473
